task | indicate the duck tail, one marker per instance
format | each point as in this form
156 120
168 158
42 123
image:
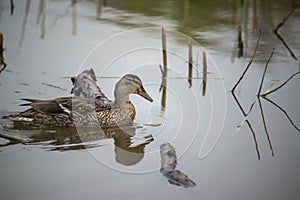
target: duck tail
28 104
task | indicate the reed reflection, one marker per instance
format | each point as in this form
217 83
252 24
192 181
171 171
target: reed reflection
99 9
204 79
12 7
185 11
284 112
25 20
190 67
240 43
280 25
259 96
2 60
163 88
74 17
41 18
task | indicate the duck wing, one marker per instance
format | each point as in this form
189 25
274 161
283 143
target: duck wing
65 105
53 106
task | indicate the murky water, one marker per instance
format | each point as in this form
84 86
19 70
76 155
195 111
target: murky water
47 42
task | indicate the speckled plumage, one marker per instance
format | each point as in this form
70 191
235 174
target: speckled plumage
85 112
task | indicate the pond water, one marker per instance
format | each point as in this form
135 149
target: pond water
47 42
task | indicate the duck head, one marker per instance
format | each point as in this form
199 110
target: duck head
130 84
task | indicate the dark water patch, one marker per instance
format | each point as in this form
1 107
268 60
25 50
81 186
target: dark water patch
54 86
25 84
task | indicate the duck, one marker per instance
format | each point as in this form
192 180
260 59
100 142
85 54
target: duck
77 111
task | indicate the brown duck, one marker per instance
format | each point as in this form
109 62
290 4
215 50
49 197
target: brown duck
85 112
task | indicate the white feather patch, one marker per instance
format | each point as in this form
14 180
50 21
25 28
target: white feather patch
21 119
66 110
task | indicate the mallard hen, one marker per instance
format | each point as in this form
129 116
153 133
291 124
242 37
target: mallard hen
83 112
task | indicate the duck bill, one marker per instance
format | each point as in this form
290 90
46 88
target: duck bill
142 92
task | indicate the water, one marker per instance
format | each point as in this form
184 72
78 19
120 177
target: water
47 42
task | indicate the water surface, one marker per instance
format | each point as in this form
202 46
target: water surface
47 42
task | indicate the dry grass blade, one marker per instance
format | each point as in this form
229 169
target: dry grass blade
280 86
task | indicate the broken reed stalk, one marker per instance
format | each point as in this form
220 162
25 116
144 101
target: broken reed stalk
99 9
204 72
190 62
164 69
280 86
248 66
164 47
264 73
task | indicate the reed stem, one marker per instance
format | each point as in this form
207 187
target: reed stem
190 75
204 72
164 47
99 9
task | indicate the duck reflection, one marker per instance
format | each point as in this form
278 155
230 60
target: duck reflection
66 139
